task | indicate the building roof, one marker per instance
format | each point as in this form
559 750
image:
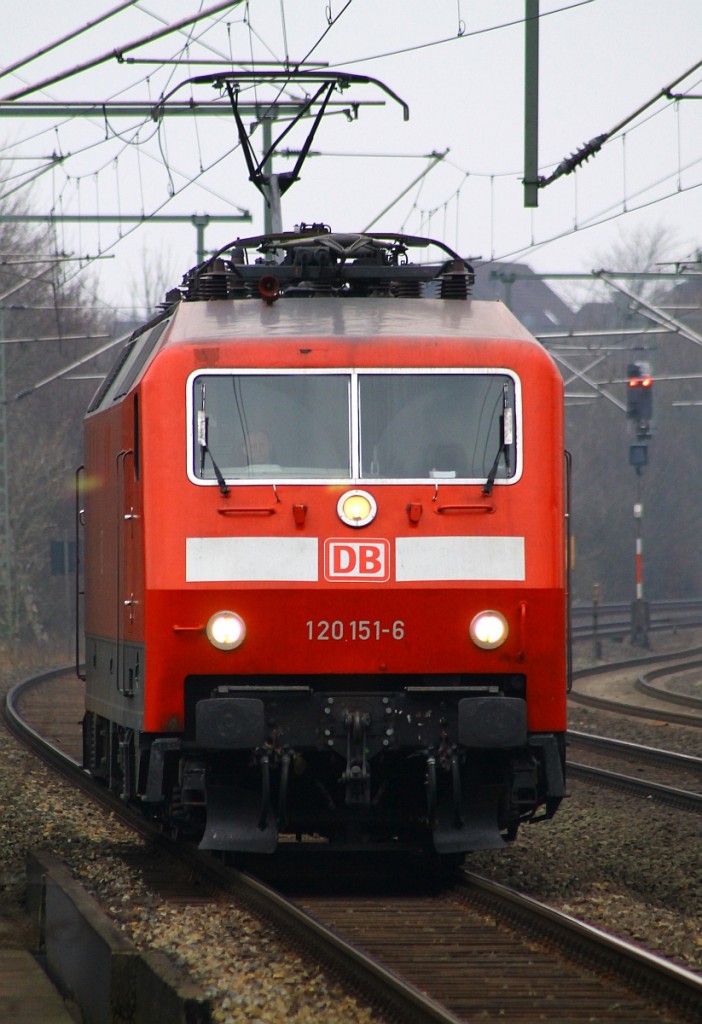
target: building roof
529 297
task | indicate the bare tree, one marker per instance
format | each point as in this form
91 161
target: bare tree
641 250
40 435
606 487
150 285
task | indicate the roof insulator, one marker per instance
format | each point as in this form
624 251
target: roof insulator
456 281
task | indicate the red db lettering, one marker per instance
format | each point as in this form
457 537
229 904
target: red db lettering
343 559
369 560
357 560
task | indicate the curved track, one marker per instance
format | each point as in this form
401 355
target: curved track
440 954
620 687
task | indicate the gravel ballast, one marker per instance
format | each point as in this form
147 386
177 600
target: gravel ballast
627 865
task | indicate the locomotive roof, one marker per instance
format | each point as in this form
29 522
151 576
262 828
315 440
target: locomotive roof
339 318
379 324
314 283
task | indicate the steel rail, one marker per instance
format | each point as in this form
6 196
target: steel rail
357 970
674 662
584 631
318 940
645 684
635 711
21 728
667 794
649 973
632 663
624 608
652 975
608 743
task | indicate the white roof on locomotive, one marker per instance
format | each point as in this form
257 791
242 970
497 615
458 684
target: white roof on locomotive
344 318
336 320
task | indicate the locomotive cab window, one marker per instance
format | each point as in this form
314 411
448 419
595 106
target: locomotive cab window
271 426
359 425
444 426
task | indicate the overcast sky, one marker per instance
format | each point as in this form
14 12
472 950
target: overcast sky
458 64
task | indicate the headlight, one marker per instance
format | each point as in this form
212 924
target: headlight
489 629
356 508
226 630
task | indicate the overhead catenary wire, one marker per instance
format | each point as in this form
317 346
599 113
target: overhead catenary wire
452 39
436 158
336 18
608 214
331 21
159 207
164 21
56 160
118 52
72 366
592 147
10 68
60 169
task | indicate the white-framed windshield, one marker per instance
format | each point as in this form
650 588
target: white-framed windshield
354 425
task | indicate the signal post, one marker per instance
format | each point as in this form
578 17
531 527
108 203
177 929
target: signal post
640 410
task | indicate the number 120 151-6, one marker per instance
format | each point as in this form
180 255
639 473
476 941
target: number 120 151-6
356 629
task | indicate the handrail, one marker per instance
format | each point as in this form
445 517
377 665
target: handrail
252 510
443 509
80 472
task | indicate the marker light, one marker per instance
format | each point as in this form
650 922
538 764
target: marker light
489 629
226 630
356 508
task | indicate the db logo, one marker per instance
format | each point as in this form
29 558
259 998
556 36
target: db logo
356 560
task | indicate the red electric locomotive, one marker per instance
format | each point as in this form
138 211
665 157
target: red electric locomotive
325 555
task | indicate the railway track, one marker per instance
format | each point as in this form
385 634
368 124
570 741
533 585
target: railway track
610 687
664 768
492 954
647 788
439 954
614 620
651 772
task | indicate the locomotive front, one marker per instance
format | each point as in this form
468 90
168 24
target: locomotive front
339 563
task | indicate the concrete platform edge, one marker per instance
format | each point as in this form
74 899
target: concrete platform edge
93 964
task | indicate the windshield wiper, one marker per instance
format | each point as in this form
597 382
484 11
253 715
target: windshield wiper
217 472
487 487
506 439
202 430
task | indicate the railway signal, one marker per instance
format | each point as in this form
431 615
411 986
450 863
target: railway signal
639 408
639 405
